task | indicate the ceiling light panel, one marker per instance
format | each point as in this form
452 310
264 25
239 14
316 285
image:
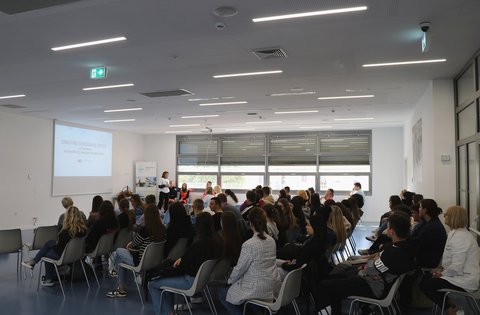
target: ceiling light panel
92 43
108 87
118 120
191 125
308 14
122 110
315 127
353 119
210 99
402 63
345 97
264 122
245 74
297 112
12 96
223 103
292 93
179 131
200 116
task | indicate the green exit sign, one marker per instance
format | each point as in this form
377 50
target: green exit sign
98 73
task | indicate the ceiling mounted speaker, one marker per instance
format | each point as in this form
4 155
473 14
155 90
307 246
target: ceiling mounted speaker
225 11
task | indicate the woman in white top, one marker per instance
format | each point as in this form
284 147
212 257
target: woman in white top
255 276
460 269
164 185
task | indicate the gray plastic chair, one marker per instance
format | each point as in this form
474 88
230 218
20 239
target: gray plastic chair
104 247
388 302
179 249
124 236
199 285
73 252
152 258
289 290
41 235
12 243
471 297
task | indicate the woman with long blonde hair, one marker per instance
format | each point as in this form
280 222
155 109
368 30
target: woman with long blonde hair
336 223
73 227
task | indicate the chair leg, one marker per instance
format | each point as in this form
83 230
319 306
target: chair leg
381 310
59 280
214 309
94 274
85 274
138 287
295 307
443 303
39 274
188 304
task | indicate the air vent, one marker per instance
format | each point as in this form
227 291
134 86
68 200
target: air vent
270 53
20 6
178 92
12 106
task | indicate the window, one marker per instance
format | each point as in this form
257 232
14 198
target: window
467 122
466 85
300 160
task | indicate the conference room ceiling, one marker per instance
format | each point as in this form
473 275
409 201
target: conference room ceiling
174 45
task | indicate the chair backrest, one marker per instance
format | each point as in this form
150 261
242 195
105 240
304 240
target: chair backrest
74 251
104 245
202 277
393 290
44 234
290 288
11 241
220 271
178 249
123 237
152 257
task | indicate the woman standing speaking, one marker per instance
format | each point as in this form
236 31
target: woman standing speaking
164 185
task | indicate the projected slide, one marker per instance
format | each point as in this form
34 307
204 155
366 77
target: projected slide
82 152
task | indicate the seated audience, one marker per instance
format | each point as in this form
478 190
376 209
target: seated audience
282 194
231 197
231 237
329 194
93 216
73 227
255 276
180 226
181 274
373 279
197 208
67 202
272 220
184 193
137 206
288 229
216 206
248 204
217 189
205 192
153 231
336 222
267 195
106 223
209 195
315 204
298 203
460 270
149 200
287 192
125 218
430 236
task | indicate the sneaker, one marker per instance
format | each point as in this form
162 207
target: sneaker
371 238
196 300
180 307
116 293
47 283
28 264
113 273
364 252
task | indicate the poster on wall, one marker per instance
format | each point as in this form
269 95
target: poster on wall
417 151
146 178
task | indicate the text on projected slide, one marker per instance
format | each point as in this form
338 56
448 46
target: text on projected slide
82 152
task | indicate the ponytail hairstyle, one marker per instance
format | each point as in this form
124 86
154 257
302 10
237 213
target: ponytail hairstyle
74 222
258 220
335 222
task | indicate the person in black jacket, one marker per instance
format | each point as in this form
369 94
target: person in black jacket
180 226
73 227
107 223
376 276
207 245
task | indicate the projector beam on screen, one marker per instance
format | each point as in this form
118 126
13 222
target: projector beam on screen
82 160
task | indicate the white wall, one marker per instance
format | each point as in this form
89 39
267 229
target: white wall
438 179
162 149
27 149
387 171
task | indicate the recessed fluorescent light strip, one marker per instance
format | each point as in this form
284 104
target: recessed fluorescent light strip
118 120
352 119
179 131
192 125
401 63
223 103
92 43
108 87
211 99
12 96
239 129
201 116
264 122
297 112
314 127
219 76
308 14
122 110
345 97
292 93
